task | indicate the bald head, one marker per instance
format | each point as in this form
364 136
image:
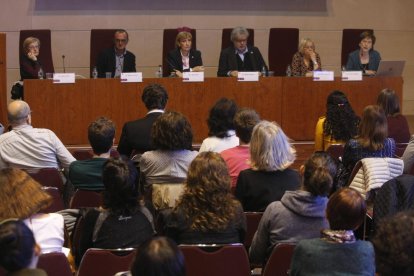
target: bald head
18 112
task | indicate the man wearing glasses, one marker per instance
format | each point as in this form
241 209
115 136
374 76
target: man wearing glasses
117 59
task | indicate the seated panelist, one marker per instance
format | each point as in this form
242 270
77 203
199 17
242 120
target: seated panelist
183 58
30 64
240 57
306 60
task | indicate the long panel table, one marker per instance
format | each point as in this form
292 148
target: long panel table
295 103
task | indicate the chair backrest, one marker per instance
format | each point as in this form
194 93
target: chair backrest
84 198
168 44
252 221
283 44
85 154
101 39
350 42
336 151
279 261
50 177
105 262
218 260
55 264
399 149
45 54
57 203
225 38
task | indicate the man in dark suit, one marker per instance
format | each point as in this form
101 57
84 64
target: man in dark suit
240 57
136 135
117 59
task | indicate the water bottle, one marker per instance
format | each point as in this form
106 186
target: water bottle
158 74
288 71
40 74
264 71
94 73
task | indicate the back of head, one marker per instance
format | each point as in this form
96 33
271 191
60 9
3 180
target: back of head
270 149
172 131
389 102
158 256
346 209
154 96
120 178
394 245
373 129
244 122
18 112
320 170
101 135
221 117
17 245
20 195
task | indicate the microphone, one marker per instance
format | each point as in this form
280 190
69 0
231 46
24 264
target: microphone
63 63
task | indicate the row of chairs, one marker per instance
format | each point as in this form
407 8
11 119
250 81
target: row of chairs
283 43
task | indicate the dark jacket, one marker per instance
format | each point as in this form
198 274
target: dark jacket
106 62
175 62
354 62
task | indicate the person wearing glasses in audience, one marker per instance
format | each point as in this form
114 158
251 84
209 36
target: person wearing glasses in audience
240 57
364 59
306 60
183 58
29 62
117 59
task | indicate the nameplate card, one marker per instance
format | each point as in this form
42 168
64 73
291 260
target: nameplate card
323 75
352 75
248 76
64 78
193 76
131 77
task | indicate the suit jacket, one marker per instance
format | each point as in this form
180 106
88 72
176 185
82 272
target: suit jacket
354 63
136 135
175 62
228 60
106 62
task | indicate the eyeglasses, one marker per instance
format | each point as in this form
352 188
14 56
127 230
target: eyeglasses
32 47
121 40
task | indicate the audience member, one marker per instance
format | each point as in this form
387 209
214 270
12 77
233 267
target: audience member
87 174
306 60
136 135
271 154
19 252
339 124
397 124
239 57
29 62
238 158
207 212
364 59
183 58
23 198
394 245
28 147
337 252
299 214
165 168
123 222
116 60
408 156
221 127
372 138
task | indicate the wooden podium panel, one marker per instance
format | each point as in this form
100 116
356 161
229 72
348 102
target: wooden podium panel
294 103
3 80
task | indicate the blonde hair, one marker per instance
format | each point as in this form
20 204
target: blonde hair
303 43
29 41
270 149
182 35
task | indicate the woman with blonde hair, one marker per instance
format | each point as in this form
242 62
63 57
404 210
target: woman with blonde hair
306 60
271 154
29 62
207 212
23 198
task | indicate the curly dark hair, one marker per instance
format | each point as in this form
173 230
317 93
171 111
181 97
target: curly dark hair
221 117
154 96
120 177
207 201
172 131
101 135
341 121
394 245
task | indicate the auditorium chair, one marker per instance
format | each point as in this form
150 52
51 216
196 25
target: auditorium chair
84 199
350 42
336 151
45 53
101 39
225 38
252 221
50 177
168 44
283 44
55 264
218 260
57 203
280 259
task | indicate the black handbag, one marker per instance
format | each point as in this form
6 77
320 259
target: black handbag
17 91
